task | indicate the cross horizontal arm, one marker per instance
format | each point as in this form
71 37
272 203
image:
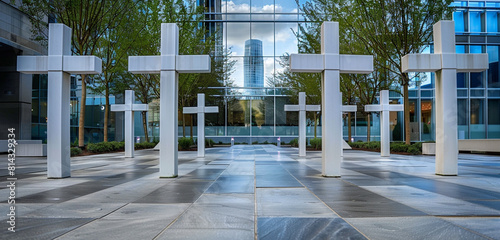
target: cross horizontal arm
373 108
144 64
292 108
192 63
313 108
212 109
421 63
349 108
361 64
120 107
189 110
140 107
394 107
307 63
32 64
82 64
472 62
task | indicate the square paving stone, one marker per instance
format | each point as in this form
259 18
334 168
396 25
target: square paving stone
305 228
410 228
42 228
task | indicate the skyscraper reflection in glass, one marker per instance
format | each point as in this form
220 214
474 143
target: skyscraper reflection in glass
253 64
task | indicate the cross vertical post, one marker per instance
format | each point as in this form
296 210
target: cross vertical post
445 63
345 108
59 65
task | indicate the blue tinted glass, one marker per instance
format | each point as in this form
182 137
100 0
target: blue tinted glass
493 71
460 48
476 80
492 21
476 49
476 21
461 80
476 4
459 4
492 4
458 17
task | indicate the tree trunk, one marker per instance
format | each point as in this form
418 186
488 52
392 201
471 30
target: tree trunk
81 122
349 126
407 115
106 114
145 126
368 127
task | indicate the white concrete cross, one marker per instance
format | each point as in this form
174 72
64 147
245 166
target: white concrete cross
129 107
59 64
169 64
302 108
330 63
200 110
446 63
385 132
345 108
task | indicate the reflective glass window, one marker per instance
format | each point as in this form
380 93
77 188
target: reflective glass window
492 22
265 33
493 118
463 123
493 73
477 126
426 120
460 21
477 80
476 21
286 42
237 34
238 117
263 116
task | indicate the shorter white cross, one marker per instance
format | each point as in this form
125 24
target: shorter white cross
129 107
384 108
302 108
200 110
59 64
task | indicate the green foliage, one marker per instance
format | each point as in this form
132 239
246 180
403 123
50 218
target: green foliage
104 147
145 145
75 143
266 142
400 147
185 143
294 142
209 142
75 151
316 143
255 142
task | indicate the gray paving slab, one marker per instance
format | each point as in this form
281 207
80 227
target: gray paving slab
258 191
306 228
292 202
410 228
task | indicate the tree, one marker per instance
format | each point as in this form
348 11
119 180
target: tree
90 21
389 28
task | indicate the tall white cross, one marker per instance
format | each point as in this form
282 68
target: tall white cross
200 110
384 108
330 63
169 64
345 108
302 108
445 63
129 107
59 64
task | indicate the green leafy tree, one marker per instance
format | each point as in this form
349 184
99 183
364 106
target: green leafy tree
389 28
90 21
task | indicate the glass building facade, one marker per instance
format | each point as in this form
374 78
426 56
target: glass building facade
255 113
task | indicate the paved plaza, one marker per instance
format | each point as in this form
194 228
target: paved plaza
255 192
